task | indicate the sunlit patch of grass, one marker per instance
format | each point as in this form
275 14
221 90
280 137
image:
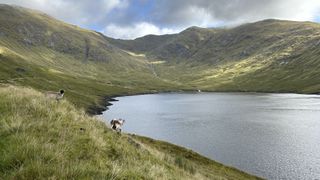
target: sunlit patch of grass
135 54
157 62
236 68
55 71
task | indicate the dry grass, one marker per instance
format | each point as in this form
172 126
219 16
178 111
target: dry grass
41 138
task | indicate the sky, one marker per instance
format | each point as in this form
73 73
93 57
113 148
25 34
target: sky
129 19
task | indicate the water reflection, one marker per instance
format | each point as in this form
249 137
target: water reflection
271 135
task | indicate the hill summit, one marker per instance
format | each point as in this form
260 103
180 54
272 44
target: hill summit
265 56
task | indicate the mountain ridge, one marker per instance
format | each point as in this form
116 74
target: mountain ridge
42 53
64 56
265 56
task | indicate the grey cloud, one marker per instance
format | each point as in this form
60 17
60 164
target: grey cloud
84 12
173 15
232 11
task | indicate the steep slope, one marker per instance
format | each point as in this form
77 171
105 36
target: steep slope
143 44
270 56
43 139
185 44
215 45
264 38
39 51
167 47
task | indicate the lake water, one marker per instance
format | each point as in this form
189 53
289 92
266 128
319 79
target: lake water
275 136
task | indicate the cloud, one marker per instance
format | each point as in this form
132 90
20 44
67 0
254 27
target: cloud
186 12
133 18
83 13
135 30
180 14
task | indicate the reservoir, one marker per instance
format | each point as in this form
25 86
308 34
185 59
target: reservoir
275 136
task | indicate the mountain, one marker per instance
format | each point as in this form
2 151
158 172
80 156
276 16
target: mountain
45 139
143 44
215 45
39 51
268 56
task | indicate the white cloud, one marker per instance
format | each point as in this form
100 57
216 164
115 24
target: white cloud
129 18
84 12
295 10
197 16
300 10
136 30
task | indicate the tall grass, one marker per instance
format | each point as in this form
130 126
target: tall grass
41 138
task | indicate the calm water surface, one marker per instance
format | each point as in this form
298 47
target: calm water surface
275 136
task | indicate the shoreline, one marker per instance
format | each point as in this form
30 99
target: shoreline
183 150
271 94
90 142
107 100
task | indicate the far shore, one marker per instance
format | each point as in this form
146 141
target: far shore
107 100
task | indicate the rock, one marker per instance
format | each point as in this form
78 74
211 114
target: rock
20 70
2 34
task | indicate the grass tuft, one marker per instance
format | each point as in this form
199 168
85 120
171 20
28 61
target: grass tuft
41 138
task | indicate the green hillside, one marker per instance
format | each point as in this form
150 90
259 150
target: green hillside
45 139
39 53
44 53
266 56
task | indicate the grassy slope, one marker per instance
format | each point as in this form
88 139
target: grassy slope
40 52
44 53
41 138
272 55
269 56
